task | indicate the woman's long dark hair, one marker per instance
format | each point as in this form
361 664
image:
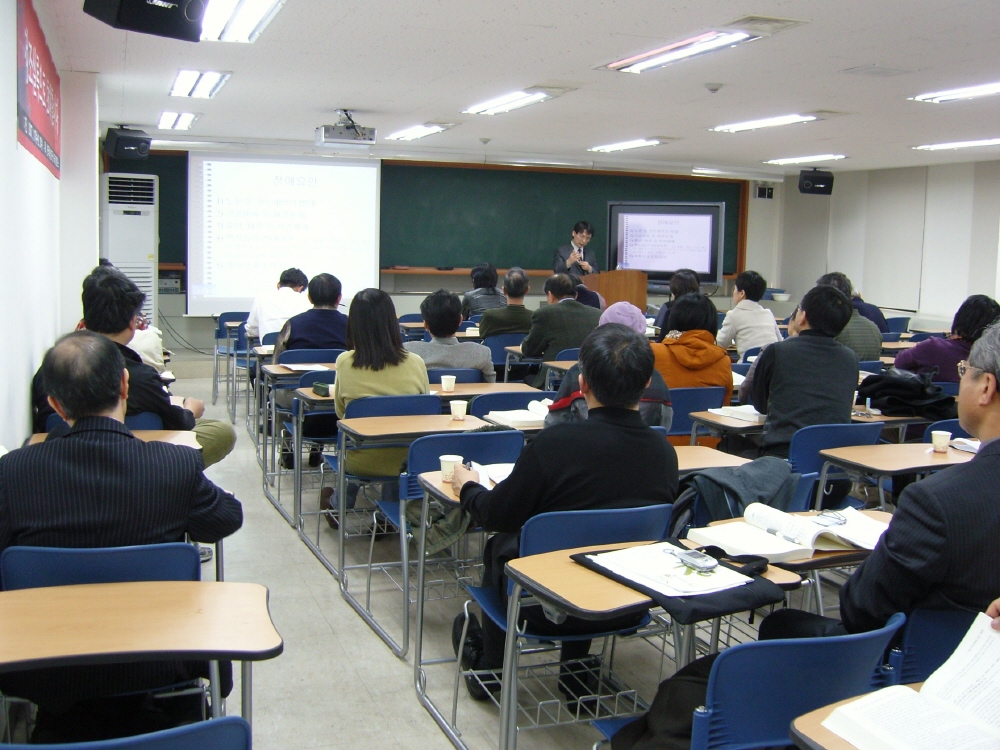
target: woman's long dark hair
373 330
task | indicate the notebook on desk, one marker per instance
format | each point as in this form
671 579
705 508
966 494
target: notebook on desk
746 413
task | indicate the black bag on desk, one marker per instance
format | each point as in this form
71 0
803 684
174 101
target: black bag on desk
901 393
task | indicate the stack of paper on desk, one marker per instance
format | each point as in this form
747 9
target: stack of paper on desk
747 413
969 445
780 536
533 416
307 368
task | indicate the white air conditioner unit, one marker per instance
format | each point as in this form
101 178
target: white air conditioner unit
130 235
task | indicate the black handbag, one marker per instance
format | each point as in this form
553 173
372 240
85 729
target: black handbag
901 393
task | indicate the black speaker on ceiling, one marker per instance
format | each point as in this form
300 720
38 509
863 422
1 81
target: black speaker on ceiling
121 143
815 182
177 19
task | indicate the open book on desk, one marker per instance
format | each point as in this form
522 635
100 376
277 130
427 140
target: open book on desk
533 416
780 536
956 707
746 412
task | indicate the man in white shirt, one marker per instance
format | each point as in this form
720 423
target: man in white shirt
748 323
270 311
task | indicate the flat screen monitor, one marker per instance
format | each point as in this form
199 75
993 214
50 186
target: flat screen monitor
660 238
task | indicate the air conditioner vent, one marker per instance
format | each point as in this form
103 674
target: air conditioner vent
131 190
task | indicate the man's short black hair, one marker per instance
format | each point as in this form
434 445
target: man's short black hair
560 285
684 281
83 372
515 283
324 290
693 312
617 364
442 313
752 284
839 281
827 309
110 301
293 277
583 227
484 276
975 315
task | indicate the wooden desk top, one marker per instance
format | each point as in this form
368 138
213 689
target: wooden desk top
513 349
471 390
729 424
890 361
562 365
264 350
234 324
897 346
101 623
696 457
407 427
808 731
887 459
175 437
280 371
889 421
459 335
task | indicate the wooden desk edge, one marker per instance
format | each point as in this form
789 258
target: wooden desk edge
808 731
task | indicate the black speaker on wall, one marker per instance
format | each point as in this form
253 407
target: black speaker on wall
122 143
177 19
815 182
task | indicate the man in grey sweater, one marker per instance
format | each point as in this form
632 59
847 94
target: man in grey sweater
442 313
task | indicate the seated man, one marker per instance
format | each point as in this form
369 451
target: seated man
860 334
514 318
748 324
561 324
98 486
442 313
269 311
625 465
810 378
111 305
870 311
322 327
484 294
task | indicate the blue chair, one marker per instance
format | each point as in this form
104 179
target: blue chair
145 420
408 334
805 491
411 318
269 338
220 349
568 355
873 366
497 345
687 400
225 733
753 351
949 389
898 325
918 337
929 638
475 319
463 326
311 441
53 421
462 375
741 367
553 379
950 425
482 405
239 359
308 356
890 337
722 318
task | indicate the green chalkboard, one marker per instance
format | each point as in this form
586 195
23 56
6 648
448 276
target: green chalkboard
436 215
172 170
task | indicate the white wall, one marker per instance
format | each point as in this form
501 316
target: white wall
764 235
804 238
29 253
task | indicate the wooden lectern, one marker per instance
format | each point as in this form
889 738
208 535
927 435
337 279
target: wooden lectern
618 286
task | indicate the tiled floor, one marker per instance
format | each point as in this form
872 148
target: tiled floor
337 685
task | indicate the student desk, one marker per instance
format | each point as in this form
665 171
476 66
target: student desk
719 424
808 732
887 361
232 327
897 346
62 626
692 458
175 437
888 459
556 367
514 355
412 328
471 390
258 355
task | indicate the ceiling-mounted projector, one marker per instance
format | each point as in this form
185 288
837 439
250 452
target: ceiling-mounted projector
345 132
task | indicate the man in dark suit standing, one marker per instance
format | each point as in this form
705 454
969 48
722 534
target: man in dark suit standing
574 258
561 324
99 486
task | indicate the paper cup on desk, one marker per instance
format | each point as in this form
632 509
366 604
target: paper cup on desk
448 383
448 467
458 409
940 440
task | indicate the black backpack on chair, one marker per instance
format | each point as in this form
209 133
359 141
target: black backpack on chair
901 393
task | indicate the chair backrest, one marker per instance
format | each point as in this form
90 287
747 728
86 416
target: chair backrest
145 420
39 567
803 451
873 366
393 406
805 490
687 400
463 326
949 425
890 337
722 318
317 376
947 388
53 421
482 405
411 318
502 447
578 528
497 344
462 375
567 355
228 317
917 337
308 356
474 319
224 733
240 340
269 338
898 325
741 367
756 689
753 351
929 638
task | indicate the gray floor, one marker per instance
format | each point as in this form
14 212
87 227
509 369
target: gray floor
337 685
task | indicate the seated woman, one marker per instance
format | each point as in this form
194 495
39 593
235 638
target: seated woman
688 356
375 365
944 354
484 294
684 281
748 324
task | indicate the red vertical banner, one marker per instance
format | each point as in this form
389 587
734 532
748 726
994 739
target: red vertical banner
38 110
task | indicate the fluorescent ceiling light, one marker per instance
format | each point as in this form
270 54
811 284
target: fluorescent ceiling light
237 20
958 144
768 122
706 170
198 85
507 102
625 145
969 92
806 159
176 121
696 45
419 131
